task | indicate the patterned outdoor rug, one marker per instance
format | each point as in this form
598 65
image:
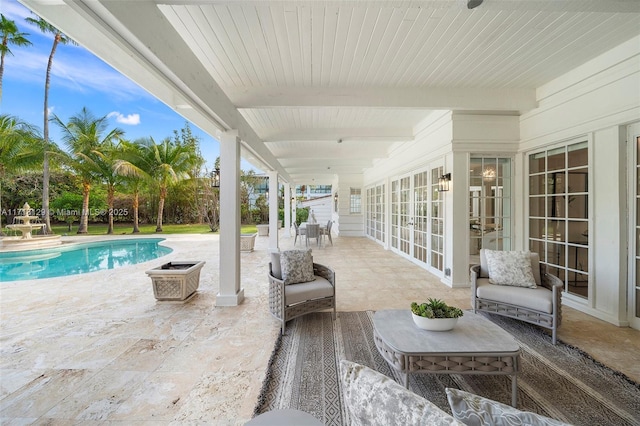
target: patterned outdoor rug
556 381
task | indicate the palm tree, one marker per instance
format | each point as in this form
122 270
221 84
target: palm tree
169 163
10 36
104 164
86 138
58 38
133 165
18 148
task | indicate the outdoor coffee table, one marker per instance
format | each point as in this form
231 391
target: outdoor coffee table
474 346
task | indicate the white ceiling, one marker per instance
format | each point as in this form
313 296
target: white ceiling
302 75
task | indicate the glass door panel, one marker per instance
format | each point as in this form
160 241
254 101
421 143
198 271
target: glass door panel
559 213
437 222
490 183
420 214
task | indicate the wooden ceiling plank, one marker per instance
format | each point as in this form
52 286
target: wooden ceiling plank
193 26
259 38
292 20
509 39
351 44
246 25
387 34
466 45
423 60
445 46
528 47
343 18
326 36
317 45
395 48
364 34
282 37
231 19
305 28
265 18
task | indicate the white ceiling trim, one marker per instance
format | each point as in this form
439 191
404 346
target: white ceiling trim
383 97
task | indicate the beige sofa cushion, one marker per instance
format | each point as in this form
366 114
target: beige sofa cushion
316 289
538 299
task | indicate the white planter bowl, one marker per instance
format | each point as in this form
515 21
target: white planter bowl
434 324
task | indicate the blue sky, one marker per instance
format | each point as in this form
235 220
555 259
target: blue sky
80 79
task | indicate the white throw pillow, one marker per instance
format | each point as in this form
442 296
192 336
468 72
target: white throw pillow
296 266
374 399
474 410
510 268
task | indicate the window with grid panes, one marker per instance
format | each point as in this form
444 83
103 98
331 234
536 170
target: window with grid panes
559 213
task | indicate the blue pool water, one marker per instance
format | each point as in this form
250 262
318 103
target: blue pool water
75 259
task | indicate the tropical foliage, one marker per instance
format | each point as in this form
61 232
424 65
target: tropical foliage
99 176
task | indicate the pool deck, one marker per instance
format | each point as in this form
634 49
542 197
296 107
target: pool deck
98 349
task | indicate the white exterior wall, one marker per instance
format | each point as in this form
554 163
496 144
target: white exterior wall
321 207
345 223
594 102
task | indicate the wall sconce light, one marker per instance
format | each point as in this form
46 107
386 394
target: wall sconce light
443 182
215 178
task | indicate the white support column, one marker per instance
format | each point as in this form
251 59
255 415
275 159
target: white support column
294 204
273 211
287 209
230 293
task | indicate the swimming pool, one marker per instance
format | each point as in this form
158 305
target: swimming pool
79 258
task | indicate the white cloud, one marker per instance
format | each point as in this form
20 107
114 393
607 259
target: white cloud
131 119
77 70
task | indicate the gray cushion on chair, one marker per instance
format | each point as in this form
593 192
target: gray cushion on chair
276 271
296 266
316 289
538 299
535 266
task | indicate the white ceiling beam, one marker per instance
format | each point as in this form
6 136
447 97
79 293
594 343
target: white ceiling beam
390 134
455 98
612 6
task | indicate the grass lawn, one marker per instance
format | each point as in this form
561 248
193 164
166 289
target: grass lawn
126 229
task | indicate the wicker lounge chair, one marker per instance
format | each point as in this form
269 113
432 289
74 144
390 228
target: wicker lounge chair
287 302
540 306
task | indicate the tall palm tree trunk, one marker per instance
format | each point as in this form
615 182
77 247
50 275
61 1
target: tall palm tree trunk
136 205
163 195
84 215
45 164
110 192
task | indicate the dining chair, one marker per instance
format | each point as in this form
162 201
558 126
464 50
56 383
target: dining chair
313 231
327 231
299 231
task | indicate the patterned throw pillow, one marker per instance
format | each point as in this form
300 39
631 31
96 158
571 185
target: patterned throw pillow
296 266
475 410
510 268
374 399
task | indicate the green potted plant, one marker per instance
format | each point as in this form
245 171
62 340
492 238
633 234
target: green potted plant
435 315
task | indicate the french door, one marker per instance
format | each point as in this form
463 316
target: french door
417 218
633 138
376 213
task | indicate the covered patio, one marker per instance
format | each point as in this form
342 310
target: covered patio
97 347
